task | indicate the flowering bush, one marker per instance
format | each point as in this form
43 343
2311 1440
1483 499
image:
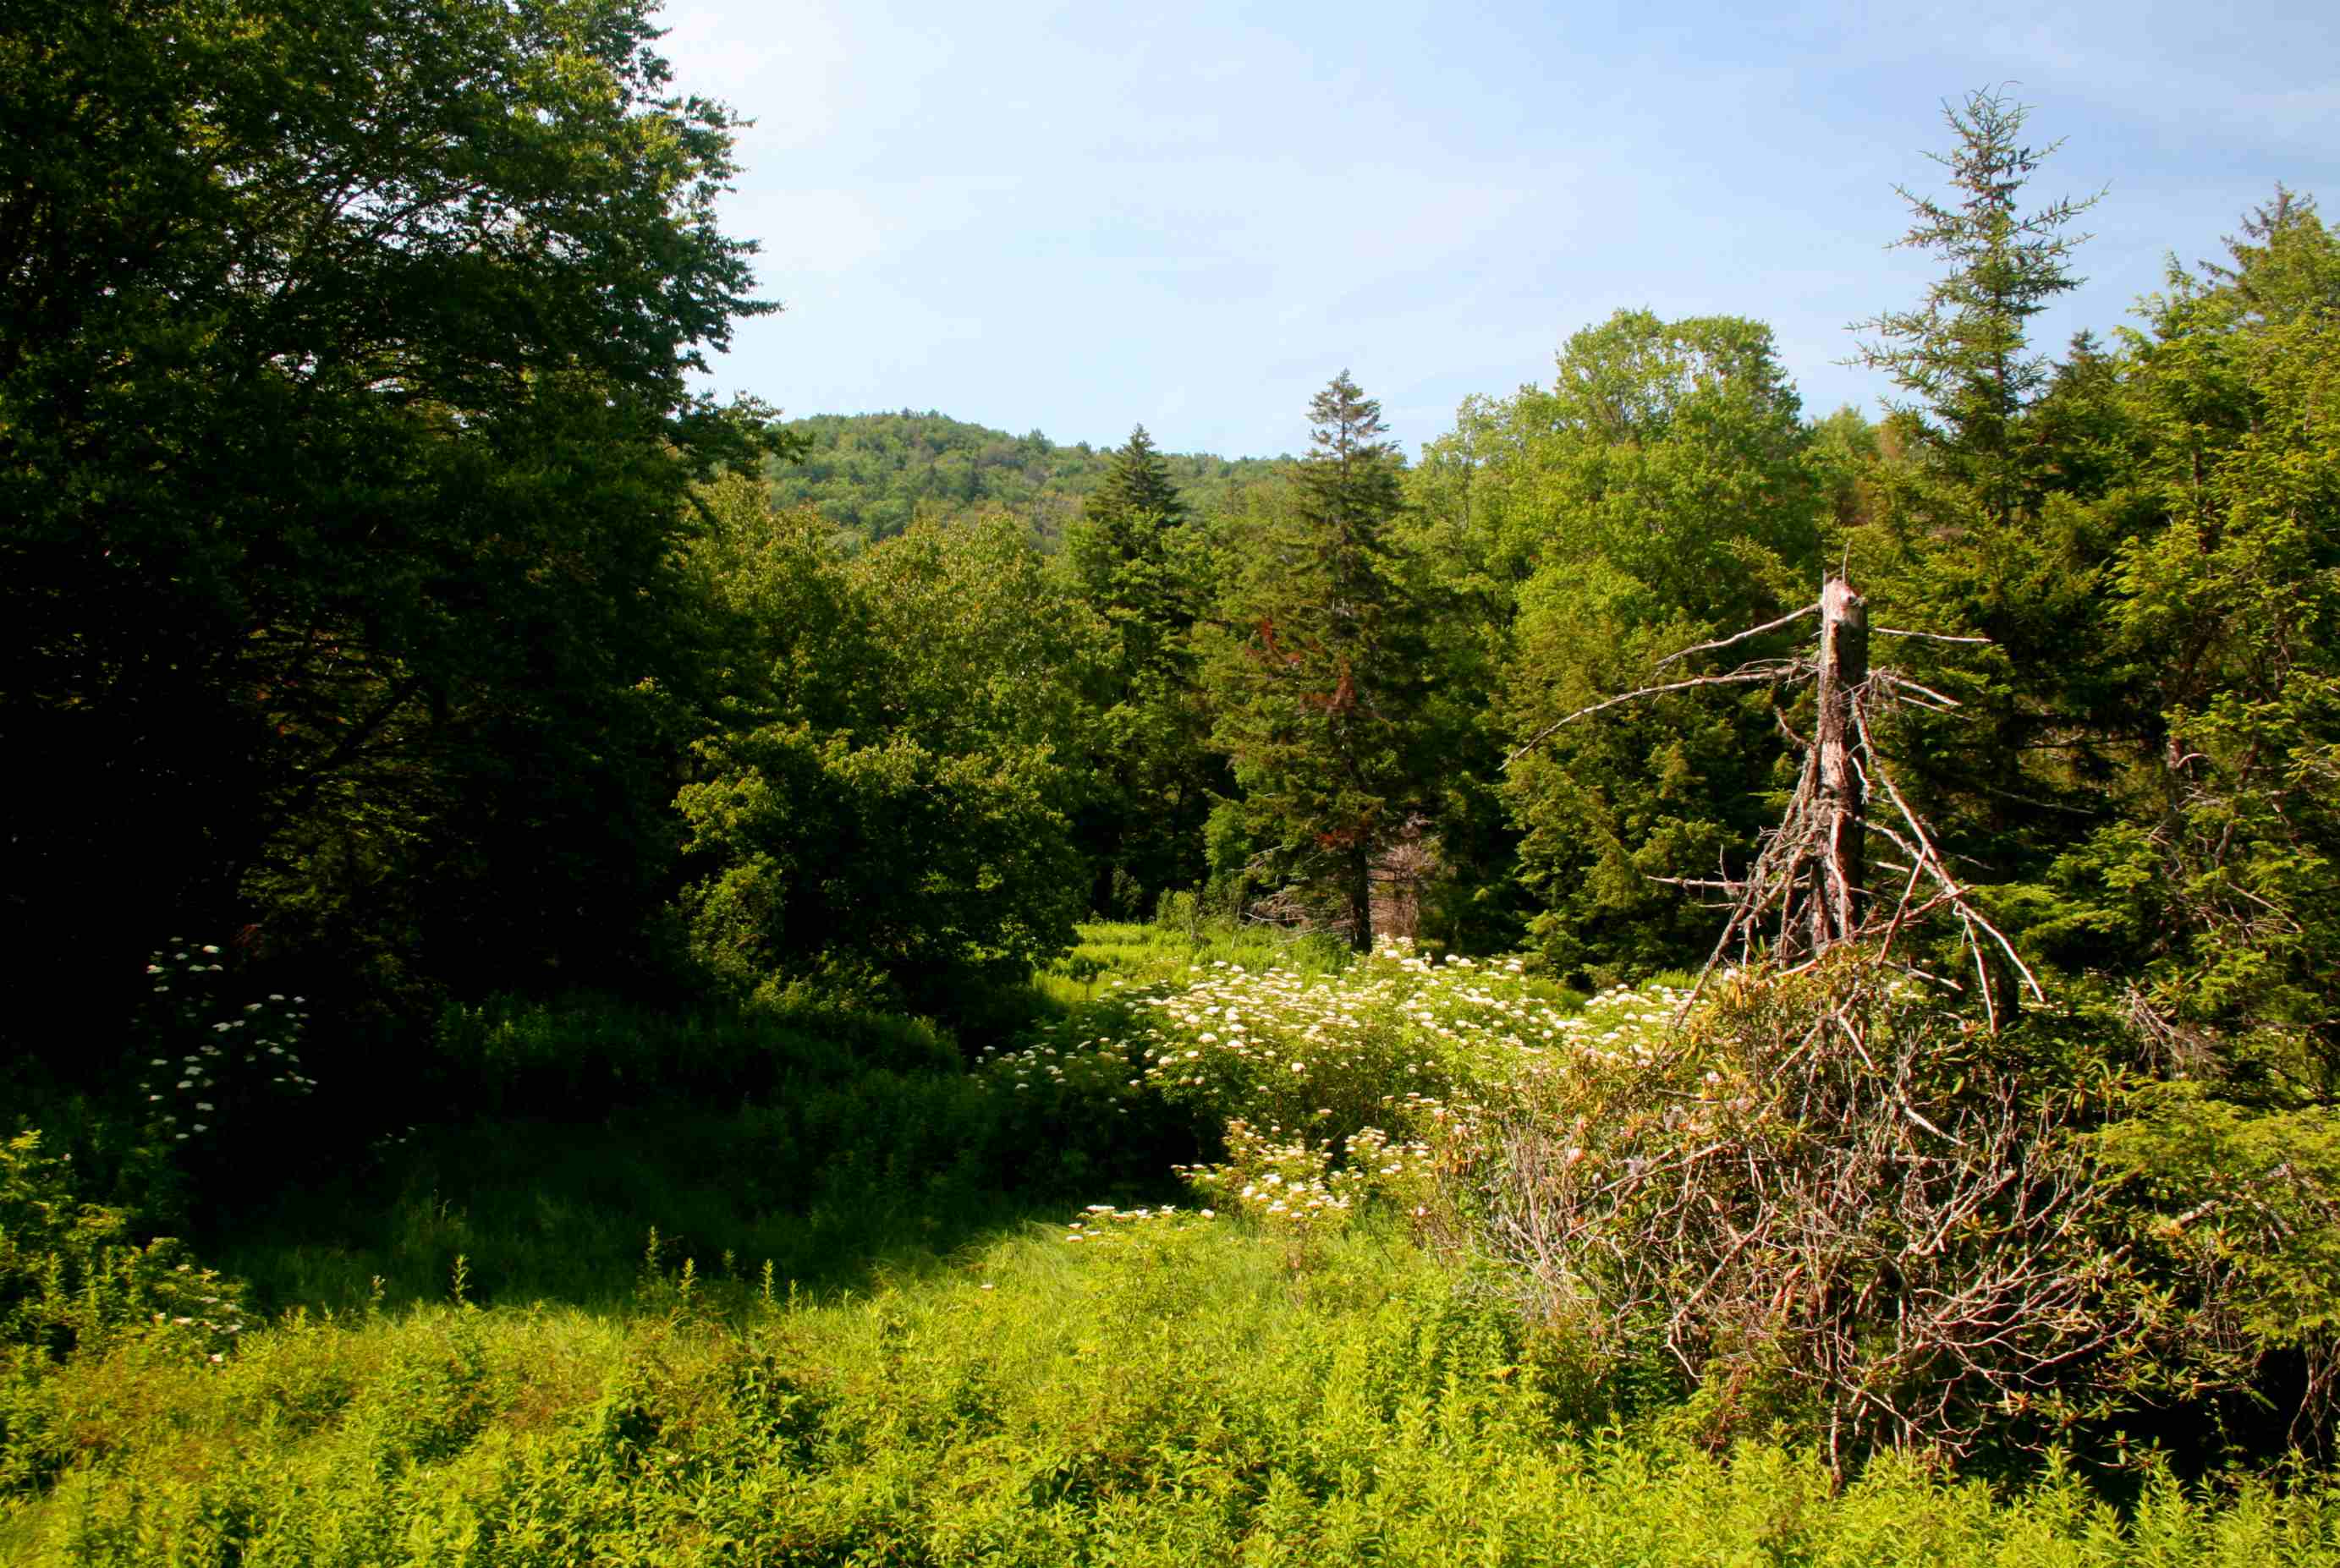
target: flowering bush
206 1062
1332 1088
1293 1181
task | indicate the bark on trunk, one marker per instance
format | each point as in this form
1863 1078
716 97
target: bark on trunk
1843 897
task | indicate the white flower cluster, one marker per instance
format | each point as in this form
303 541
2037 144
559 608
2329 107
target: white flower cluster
203 1303
1335 1091
237 1049
1102 1220
1340 1053
1295 1180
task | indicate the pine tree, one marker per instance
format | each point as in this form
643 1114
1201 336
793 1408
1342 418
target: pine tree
1322 673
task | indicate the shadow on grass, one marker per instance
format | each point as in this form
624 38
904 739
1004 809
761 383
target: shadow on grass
596 1215
835 1150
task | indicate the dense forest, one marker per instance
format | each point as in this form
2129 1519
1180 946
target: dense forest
873 474
605 975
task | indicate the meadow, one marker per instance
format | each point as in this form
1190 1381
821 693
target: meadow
1174 1271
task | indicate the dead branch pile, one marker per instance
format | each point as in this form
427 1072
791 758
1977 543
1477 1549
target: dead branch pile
1832 1205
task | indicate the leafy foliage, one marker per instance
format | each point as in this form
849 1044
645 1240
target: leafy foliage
1655 496
344 423
874 475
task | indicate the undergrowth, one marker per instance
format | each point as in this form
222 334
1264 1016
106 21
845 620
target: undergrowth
894 1310
1200 1392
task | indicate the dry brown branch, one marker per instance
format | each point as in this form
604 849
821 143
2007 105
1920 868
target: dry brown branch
1842 1210
1929 637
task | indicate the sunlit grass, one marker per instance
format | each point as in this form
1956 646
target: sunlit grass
895 1313
1198 1391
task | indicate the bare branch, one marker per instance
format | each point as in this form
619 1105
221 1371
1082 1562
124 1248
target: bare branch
1738 677
1791 618
1929 637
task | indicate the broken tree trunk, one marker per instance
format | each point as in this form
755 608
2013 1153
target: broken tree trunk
1807 886
1840 901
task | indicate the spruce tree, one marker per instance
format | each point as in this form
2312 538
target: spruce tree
1133 557
1322 671
1964 351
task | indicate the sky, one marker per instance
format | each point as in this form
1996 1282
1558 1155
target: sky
1078 218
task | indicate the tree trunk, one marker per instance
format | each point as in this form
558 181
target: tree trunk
1844 853
1361 896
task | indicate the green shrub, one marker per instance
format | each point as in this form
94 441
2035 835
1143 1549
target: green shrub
2233 1213
72 1277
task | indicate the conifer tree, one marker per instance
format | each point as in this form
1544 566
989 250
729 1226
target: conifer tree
1322 671
1135 559
1120 551
1964 352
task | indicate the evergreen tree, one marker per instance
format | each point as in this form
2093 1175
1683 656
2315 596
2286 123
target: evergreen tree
1964 353
1322 673
1121 551
1984 522
1141 568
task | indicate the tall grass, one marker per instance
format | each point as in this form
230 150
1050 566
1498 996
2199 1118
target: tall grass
1187 1392
755 1290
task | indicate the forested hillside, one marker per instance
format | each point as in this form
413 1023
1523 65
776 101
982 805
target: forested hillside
607 977
873 474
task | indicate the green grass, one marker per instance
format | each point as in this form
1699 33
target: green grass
1187 1392
932 1371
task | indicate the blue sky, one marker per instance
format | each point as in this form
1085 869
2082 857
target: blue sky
1076 218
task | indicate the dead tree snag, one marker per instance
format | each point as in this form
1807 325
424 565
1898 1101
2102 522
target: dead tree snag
1808 889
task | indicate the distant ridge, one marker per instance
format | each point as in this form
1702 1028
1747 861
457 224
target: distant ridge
873 474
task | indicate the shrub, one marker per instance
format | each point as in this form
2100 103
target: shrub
1324 1056
2233 1213
72 1277
209 1070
